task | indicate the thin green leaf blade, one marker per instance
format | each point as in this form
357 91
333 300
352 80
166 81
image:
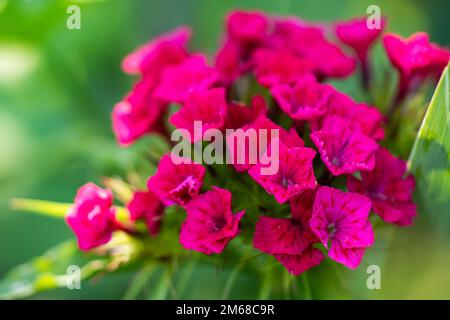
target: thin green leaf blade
429 158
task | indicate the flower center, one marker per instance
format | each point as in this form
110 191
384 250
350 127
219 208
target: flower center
331 229
286 182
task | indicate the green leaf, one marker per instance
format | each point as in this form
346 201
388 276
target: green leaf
429 158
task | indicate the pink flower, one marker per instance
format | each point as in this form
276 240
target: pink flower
358 36
290 240
410 55
239 115
342 218
147 206
210 224
208 106
309 42
229 62
295 173
178 182
305 100
344 150
92 217
138 114
179 81
153 57
361 116
247 27
280 66
245 155
388 187
330 60
415 58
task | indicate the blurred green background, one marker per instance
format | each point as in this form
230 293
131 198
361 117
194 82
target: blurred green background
58 86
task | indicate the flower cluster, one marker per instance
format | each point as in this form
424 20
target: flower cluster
324 134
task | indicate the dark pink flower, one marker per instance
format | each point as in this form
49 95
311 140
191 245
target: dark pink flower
280 66
388 187
290 240
247 27
361 116
229 62
151 58
329 59
358 36
410 55
177 182
239 115
342 219
343 149
179 81
305 100
295 173
207 106
415 58
210 224
245 155
147 206
92 217
138 114
309 42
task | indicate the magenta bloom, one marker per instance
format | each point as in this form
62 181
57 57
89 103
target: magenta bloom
290 240
229 62
344 150
342 218
281 66
358 36
369 120
208 106
178 81
147 206
178 182
415 58
250 152
247 28
151 58
295 173
409 56
210 224
305 100
138 114
239 115
388 188
309 42
92 217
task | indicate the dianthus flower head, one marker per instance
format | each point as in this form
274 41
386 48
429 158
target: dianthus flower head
280 66
210 224
92 217
304 100
343 149
138 114
290 240
341 221
295 173
145 205
178 81
356 34
388 187
247 27
177 182
151 58
208 106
